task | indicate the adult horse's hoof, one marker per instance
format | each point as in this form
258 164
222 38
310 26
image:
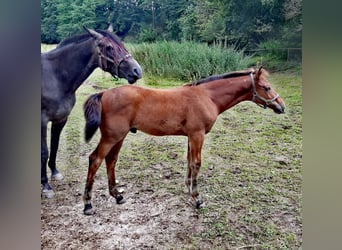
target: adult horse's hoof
47 193
57 177
88 209
120 199
199 204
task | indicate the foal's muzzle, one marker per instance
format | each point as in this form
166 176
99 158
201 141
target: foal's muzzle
278 106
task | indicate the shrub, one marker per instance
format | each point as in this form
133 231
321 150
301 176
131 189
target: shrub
186 60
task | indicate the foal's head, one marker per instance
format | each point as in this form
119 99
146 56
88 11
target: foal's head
263 93
114 57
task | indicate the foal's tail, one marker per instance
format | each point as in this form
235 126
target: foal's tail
92 113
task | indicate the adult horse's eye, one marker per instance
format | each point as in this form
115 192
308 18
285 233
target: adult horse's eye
109 48
266 88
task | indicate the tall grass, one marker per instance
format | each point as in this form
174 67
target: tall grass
186 60
183 61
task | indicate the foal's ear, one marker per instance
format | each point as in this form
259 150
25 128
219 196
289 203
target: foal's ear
259 72
93 33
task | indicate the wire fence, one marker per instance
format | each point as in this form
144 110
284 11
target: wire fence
290 54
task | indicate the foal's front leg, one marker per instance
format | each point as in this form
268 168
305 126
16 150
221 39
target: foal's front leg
194 162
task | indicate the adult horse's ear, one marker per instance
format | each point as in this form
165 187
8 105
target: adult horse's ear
93 33
110 28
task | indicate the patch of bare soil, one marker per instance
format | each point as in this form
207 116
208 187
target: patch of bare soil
150 219
153 216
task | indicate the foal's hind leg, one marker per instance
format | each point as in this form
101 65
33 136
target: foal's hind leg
95 160
111 160
188 173
56 130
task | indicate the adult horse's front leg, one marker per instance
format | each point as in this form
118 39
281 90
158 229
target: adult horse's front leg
56 129
194 162
46 191
111 160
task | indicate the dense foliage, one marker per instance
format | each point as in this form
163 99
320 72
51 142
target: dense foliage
243 24
187 61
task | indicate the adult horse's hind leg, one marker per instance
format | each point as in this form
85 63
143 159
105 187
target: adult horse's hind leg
56 129
111 160
46 191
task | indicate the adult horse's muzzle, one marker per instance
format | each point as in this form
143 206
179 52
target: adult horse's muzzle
130 69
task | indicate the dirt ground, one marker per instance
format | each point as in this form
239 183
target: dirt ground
150 219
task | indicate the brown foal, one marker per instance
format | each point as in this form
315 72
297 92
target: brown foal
190 110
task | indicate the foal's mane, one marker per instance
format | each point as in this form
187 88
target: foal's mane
83 37
222 76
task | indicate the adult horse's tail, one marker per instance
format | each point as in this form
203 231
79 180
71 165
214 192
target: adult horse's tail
92 114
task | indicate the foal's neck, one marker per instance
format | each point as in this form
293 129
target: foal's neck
226 93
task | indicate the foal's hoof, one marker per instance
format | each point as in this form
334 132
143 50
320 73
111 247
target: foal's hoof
120 199
57 177
199 204
47 193
88 209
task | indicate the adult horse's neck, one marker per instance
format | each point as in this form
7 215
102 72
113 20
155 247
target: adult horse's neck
74 63
226 93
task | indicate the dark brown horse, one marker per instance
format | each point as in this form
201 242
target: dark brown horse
190 110
63 70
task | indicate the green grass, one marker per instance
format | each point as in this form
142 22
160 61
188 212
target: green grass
47 47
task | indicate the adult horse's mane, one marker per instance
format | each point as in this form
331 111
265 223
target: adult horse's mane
218 77
83 37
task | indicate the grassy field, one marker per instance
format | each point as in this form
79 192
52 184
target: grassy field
250 180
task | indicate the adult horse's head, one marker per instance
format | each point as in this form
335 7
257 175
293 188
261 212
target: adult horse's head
113 57
263 93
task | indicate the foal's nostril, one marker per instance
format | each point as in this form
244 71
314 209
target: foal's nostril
283 109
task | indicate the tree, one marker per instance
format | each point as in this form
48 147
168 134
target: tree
188 24
73 15
293 26
244 24
49 21
252 22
